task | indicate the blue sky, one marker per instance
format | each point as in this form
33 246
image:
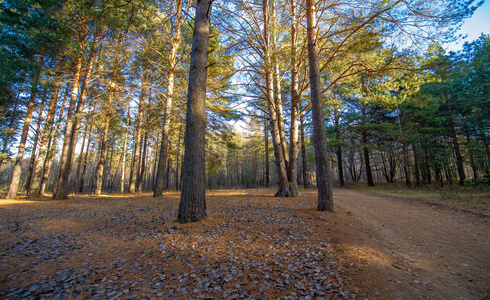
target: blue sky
479 23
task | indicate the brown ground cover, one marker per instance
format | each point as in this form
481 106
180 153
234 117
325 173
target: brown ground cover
251 246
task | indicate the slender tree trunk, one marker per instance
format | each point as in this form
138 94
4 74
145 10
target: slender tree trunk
306 182
470 153
292 166
324 184
71 132
176 40
135 164
338 149
283 190
125 146
43 146
192 206
266 151
143 155
83 166
14 184
103 144
459 158
32 163
54 133
416 166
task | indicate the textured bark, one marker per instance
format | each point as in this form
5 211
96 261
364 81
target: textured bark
61 188
168 102
125 146
292 166
283 189
325 199
43 146
35 144
83 166
14 184
192 206
103 144
54 134
66 162
135 163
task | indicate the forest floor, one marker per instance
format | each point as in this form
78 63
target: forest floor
251 246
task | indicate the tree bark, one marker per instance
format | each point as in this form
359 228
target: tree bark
283 189
125 146
325 199
306 182
43 146
14 184
176 40
192 206
135 164
71 132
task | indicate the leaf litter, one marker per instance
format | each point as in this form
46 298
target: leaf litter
251 246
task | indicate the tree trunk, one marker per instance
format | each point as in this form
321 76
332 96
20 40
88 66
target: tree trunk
135 164
43 146
10 131
32 163
54 133
283 190
192 206
125 146
14 184
338 149
72 127
266 151
103 143
325 199
292 166
459 158
168 101
83 166
306 182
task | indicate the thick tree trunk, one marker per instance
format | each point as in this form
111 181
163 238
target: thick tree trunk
325 199
14 184
192 206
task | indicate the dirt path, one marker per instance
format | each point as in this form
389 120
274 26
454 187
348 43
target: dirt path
424 251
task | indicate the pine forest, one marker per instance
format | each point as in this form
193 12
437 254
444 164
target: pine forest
295 103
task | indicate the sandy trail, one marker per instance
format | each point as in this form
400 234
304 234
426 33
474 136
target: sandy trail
435 253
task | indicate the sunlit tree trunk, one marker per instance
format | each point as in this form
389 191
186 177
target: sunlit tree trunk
176 40
283 189
54 134
43 146
325 199
135 164
71 131
14 184
192 206
35 145
125 146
